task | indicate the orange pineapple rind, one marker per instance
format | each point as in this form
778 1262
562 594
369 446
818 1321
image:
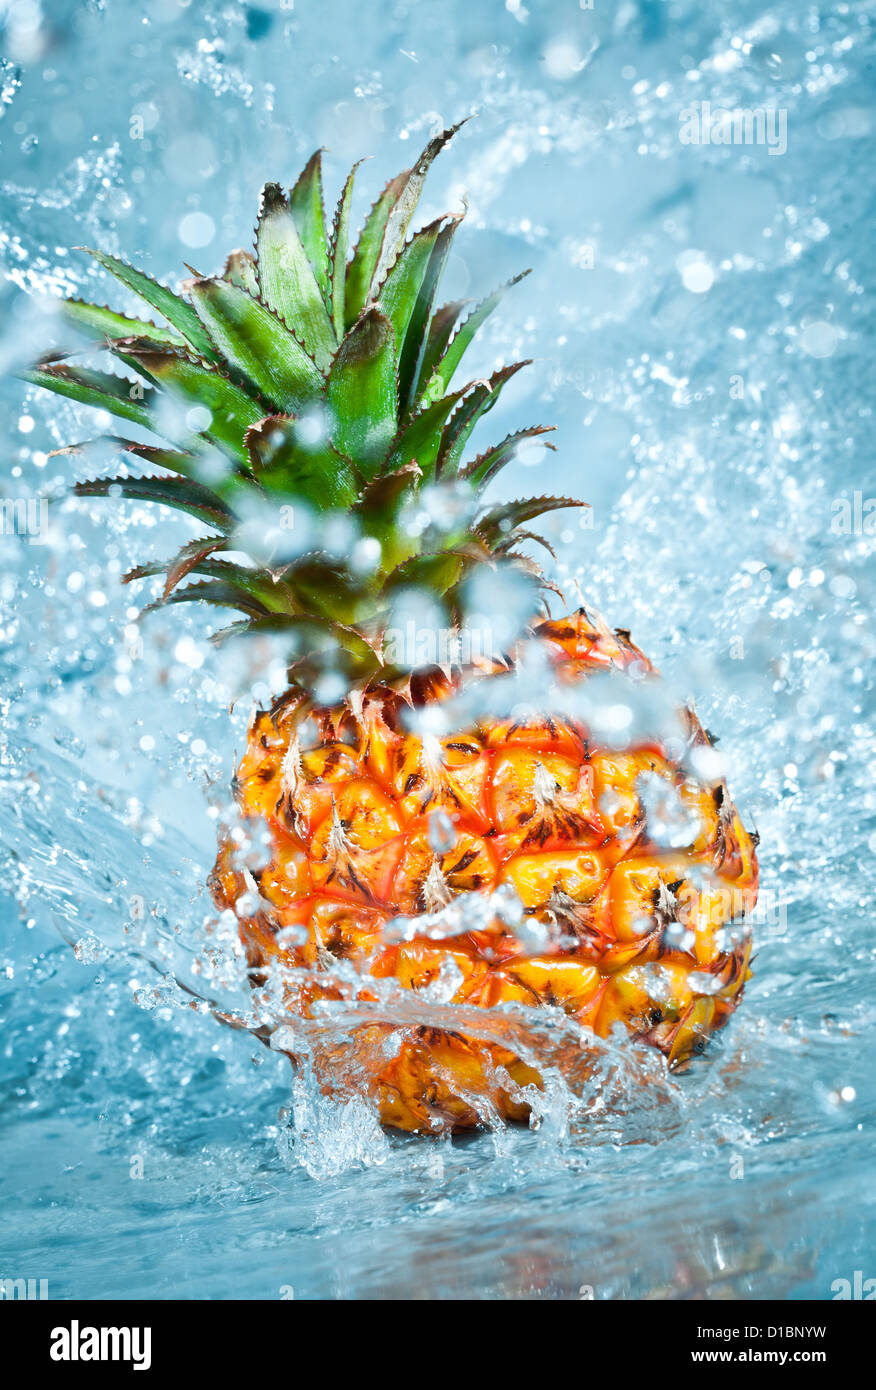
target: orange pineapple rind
633 928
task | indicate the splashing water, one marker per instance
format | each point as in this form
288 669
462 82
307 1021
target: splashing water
700 329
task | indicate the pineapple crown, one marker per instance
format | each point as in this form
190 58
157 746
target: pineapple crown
298 389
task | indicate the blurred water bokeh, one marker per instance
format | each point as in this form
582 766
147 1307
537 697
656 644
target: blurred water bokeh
700 319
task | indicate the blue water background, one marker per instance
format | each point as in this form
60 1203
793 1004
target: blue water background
700 319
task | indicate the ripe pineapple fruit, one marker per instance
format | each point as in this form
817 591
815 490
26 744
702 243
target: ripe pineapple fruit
302 384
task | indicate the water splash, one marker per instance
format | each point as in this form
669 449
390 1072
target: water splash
707 356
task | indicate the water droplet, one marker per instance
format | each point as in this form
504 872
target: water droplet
442 832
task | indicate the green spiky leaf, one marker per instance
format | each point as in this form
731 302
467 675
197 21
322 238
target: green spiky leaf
473 406
500 520
438 335
484 468
378 509
380 498
101 323
169 305
306 206
240 270
317 637
174 460
180 493
338 254
156 455
443 371
385 229
407 295
252 363
285 465
188 558
517 537
286 279
437 573
322 586
225 592
232 411
127 399
256 344
419 440
361 392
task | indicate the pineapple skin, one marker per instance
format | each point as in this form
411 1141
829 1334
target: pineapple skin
537 805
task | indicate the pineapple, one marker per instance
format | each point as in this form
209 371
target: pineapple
308 383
